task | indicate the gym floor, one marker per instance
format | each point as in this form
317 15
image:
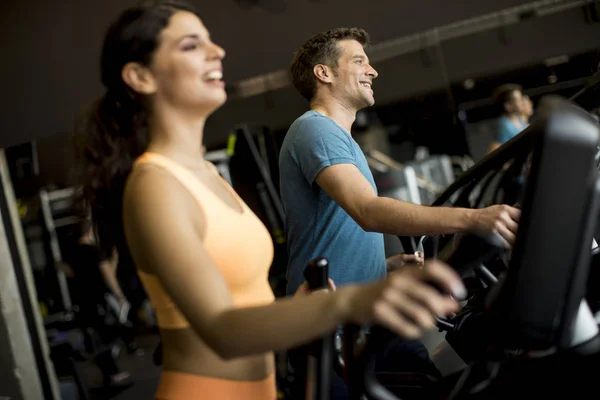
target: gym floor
144 374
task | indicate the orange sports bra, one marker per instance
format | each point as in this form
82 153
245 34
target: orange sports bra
238 243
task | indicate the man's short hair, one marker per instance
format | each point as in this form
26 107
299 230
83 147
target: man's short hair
504 94
321 49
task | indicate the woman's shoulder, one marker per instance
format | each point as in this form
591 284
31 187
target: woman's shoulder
151 189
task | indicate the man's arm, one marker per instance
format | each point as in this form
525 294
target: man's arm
346 185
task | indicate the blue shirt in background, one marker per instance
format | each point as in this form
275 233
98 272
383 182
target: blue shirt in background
506 129
315 224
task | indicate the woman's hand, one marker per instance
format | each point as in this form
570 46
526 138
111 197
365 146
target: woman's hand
407 301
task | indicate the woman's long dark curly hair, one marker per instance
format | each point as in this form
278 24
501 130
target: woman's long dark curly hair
113 132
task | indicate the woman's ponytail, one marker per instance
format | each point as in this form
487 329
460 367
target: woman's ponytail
110 137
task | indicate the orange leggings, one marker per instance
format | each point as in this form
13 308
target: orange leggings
180 386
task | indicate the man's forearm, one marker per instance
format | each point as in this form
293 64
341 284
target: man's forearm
387 215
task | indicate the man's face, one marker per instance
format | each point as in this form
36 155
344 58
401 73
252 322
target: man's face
527 107
353 77
516 105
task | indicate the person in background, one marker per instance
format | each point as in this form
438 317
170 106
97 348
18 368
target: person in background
527 110
93 276
512 107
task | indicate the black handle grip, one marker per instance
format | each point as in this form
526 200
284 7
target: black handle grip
316 273
320 352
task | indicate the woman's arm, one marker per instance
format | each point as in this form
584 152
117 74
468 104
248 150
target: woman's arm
164 239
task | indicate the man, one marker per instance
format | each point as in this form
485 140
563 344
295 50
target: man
513 106
328 192
527 109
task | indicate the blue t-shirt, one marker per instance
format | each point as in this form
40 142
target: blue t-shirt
507 130
315 224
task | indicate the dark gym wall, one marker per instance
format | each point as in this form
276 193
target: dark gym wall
51 48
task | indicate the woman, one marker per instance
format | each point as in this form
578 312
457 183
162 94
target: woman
201 253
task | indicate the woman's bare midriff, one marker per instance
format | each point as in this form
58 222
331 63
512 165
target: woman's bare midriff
183 351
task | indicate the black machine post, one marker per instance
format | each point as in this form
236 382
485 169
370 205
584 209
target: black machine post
542 292
539 307
320 354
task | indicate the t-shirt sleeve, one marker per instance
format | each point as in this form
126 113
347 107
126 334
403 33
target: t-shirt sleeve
320 146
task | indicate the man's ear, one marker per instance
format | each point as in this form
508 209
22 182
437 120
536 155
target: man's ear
323 73
138 78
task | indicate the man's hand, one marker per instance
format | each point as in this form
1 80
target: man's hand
303 290
401 259
498 219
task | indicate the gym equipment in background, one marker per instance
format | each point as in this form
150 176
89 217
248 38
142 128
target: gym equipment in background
254 172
